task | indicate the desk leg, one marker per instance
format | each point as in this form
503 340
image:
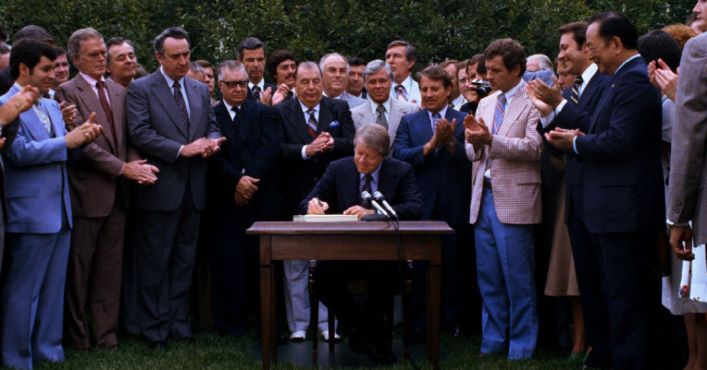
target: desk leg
268 330
433 314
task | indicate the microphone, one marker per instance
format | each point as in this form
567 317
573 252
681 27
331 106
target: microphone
381 199
368 198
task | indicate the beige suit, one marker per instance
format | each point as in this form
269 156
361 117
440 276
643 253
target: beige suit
99 200
514 161
363 115
688 162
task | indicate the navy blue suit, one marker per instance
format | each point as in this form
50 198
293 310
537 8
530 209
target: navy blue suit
38 229
364 319
251 149
614 213
445 183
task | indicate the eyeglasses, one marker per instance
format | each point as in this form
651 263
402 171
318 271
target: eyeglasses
233 84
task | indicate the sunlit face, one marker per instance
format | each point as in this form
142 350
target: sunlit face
434 95
285 73
5 60
254 62
175 58
41 76
308 86
366 159
92 57
209 79
196 75
603 52
700 12
355 85
234 86
378 86
123 62
452 70
401 67
465 85
573 58
61 69
335 75
499 76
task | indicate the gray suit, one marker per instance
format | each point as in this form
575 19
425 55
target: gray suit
363 115
353 101
167 213
686 197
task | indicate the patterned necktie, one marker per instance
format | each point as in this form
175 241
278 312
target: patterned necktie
498 114
44 118
380 119
366 186
575 89
256 92
181 106
103 99
400 92
435 117
312 124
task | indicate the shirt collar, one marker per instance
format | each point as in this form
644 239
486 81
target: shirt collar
407 83
91 81
229 107
374 105
306 108
442 112
170 82
626 61
260 84
375 175
589 73
512 92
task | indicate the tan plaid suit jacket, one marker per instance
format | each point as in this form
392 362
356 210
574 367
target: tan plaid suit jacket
514 160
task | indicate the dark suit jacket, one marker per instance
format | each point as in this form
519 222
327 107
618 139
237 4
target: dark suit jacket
587 102
340 185
95 177
6 80
621 170
252 148
443 179
300 176
157 132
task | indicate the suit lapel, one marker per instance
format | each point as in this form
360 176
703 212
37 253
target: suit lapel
116 95
244 125
33 125
93 104
163 93
325 116
195 106
513 111
387 180
424 125
352 195
295 111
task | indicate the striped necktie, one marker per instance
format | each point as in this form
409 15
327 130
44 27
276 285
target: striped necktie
575 89
498 114
312 123
400 92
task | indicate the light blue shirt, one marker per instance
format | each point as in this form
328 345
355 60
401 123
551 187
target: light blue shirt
182 88
374 179
442 114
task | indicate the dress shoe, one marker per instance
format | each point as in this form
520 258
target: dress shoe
326 337
298 336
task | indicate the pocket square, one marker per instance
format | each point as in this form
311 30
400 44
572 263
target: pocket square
334 124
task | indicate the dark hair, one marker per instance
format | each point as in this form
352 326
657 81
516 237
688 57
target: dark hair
660 45
450 61
60 51
613 24
249 43
480 62
35 33
511 51
116 41
29 52
578 30
409 49
356 61
174 32
436 73
277 57
3 33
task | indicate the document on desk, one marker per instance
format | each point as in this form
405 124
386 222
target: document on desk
324 218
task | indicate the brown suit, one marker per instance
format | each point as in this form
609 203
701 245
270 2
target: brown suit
98 200
688 162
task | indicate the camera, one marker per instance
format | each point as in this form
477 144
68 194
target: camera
481 87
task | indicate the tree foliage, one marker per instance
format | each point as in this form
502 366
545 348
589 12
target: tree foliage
438 28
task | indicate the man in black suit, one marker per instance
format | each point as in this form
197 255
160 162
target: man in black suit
339 191
242 190
282 65
315 131
617 202
251 52
171 122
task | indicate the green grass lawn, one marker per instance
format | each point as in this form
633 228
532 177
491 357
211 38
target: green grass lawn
211 351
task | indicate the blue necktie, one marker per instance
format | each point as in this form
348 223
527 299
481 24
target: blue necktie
498 114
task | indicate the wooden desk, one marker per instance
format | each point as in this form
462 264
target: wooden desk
421 240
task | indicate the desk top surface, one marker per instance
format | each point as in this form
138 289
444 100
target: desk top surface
348 228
